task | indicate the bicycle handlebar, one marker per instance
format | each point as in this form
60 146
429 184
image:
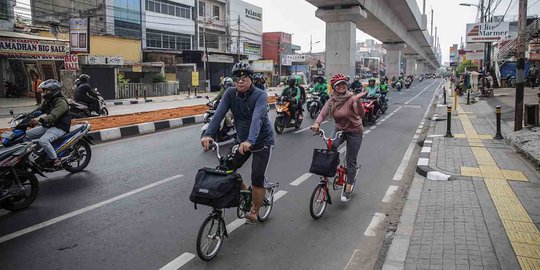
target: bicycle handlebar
215 147
323 135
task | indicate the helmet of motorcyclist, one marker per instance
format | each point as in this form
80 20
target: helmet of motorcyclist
77 82
356 78
337 79
242 69
291 81
228 82
50 88
348 78
84 78
371 81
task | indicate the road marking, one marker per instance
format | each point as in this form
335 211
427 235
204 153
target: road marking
388 196
406 158
422 92
301 179
235 225
83 210
279 194
377 219
179 262
367 132
307 128
372 128
425 149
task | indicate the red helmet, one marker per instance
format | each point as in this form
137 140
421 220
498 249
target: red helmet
338 78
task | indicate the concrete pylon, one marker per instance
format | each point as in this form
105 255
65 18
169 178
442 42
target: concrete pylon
393 58
420 67
410 65
341 38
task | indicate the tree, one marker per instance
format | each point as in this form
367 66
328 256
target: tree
466 64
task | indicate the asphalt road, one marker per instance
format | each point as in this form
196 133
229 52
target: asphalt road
130 208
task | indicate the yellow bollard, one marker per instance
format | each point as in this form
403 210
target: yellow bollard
455 102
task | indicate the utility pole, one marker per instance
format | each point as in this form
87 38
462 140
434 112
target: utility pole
484 60
206 69
520 74
424 8
238 41
310 43
279 54
431 23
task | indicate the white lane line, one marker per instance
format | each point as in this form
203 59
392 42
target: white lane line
367 132
388 196
401 169
83 210
307 128
235 225
416 136
418 131
279 194
421 92
377 219
372 128
178 262
301 179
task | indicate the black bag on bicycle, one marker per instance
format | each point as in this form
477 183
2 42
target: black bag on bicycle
216 188
324 162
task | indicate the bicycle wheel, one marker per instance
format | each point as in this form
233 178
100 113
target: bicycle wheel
210 237
240 210
318 200
266 208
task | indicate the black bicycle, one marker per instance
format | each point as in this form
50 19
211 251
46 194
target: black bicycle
213 229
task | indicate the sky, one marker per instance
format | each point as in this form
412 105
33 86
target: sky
298 17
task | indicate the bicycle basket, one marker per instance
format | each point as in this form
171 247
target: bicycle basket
216 188
324 162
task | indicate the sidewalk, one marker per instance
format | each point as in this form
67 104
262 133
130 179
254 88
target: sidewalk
488 216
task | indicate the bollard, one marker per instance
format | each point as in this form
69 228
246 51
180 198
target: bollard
498 136
449 123
455 102
444 95
468 97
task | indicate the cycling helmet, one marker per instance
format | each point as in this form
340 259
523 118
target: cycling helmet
241 69
356 78
338 78
53 85
84 77
291 81
228 82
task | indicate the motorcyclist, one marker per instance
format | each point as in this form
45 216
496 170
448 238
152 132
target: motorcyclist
356 85
85 95
259 80
295 94
226 83
322 88
303 95
57 122
373 92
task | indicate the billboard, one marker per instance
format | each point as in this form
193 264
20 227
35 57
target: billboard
79 35
487 32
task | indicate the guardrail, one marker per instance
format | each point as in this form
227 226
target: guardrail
143 90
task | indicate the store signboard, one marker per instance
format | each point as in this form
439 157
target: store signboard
71 62
101 60
487 32
79 35
286 62
195 78
296 57
263 66
32 48
252 48
473 55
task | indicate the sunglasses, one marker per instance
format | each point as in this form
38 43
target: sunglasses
240 78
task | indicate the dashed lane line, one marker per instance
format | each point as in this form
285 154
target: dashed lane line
389 193
301 179
179 262
376 221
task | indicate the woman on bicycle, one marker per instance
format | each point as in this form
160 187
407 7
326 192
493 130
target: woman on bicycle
347 111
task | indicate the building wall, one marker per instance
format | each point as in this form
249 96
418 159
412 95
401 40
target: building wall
130 49
217 37
251 40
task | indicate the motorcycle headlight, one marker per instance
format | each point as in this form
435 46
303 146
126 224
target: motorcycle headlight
15 123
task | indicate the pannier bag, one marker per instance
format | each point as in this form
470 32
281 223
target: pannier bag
216 188
324 162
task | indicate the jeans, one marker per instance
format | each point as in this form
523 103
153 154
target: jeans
354 141
46 137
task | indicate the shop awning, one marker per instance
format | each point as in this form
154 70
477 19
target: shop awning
25 46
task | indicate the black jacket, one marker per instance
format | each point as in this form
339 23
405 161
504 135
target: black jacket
57 110
84 93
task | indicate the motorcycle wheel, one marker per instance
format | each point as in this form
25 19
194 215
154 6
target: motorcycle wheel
298 124
84 155
104 112
29 181
313 112
277 127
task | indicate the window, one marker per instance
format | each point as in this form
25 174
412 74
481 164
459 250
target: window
216 12
167 40
169 8
202 9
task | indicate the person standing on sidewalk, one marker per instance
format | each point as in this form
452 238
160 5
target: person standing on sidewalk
36 81
347 111
531 76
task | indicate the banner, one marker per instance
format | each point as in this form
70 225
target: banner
79 36
487 32
71 62
252 48
32 48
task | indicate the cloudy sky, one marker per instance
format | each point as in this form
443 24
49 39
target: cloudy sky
298 17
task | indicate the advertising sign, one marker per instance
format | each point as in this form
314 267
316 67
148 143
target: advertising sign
137 68
263 66
474 55
101 60
32 48
71 62
286 62
487 32
296 57
79 35
195 78
252 48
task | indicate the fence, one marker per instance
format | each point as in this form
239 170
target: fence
142 90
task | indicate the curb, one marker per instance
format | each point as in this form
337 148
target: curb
423 168
127 102
143 128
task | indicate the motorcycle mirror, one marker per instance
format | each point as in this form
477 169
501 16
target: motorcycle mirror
11 112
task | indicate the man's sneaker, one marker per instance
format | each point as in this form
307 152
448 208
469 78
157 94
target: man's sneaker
346 196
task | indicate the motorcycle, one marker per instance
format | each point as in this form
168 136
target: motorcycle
224 133
421 79
383 99
510 81
73 148
314 104
369 108
11 90
80 110
399 85
283 117
408 83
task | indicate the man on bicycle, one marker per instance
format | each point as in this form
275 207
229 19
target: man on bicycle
249 107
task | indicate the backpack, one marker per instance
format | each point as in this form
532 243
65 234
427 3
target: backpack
216 188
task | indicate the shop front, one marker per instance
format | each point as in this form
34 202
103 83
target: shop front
26 60
219 66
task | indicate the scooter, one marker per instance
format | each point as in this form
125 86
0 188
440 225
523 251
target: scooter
369 108
79 110
284 119
224 133
11 90
314 104
408 83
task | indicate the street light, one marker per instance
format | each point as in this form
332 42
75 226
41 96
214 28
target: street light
206 69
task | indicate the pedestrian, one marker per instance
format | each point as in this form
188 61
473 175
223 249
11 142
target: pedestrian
531 76
36 81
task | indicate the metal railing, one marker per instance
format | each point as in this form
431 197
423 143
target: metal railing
143 90
509 49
